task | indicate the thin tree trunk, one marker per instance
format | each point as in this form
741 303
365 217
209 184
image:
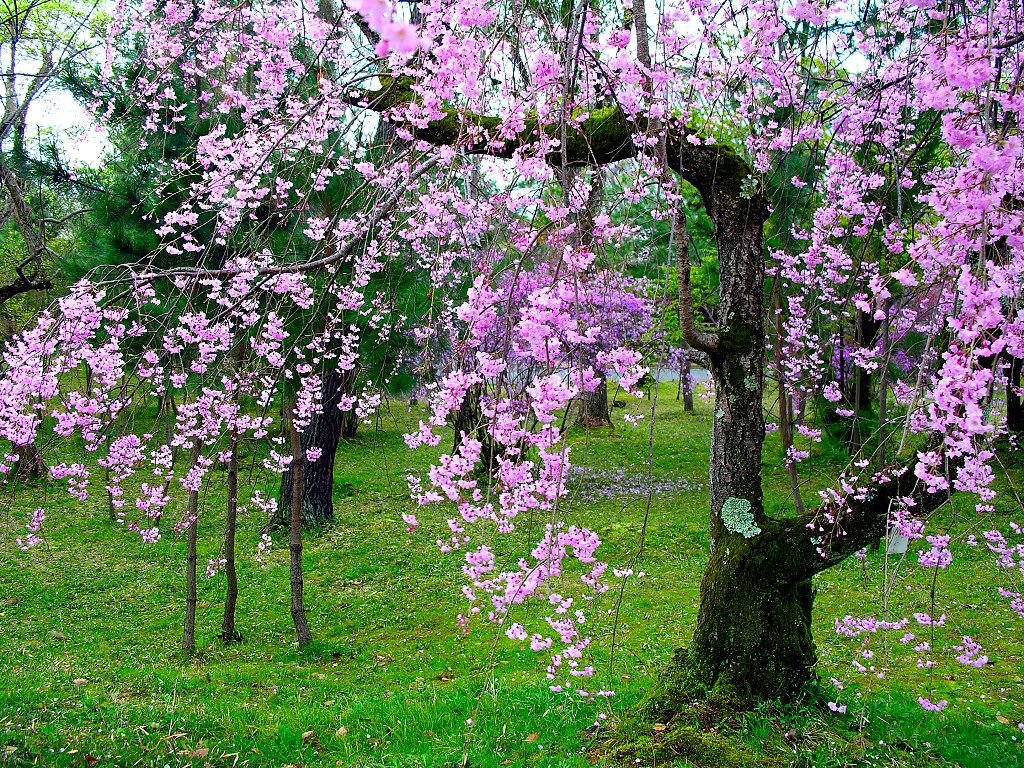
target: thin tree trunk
295 539
785 405
111 512
228 633
883 395
867 332
687 379
1014 408
188 636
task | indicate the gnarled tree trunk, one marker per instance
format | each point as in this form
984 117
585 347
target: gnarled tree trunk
753 637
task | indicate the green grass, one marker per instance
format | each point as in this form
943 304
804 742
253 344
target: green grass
90 622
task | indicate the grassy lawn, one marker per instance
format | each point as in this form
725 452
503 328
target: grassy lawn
90 623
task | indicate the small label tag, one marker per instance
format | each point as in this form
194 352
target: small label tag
897 545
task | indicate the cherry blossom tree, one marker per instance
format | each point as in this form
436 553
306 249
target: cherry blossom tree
686 95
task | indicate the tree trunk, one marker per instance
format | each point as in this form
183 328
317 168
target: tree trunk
468 420
228 633
753 639
188 636
295 538
686 375
349 425
785 405
1014 408
325 431
753 636
594 406
30 464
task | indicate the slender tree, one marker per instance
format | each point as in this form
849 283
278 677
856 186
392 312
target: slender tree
302 631
188 635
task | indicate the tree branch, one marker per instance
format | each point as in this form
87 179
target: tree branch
604 136
863 524
24 283
692 335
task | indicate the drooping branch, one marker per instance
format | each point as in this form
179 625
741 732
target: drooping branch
381 210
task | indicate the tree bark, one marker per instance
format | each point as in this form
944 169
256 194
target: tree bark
867 332
295 530
325 431
468 420
228 633
752 640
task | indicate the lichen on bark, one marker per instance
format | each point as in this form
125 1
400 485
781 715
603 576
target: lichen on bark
738 517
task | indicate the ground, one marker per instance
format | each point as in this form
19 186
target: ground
90 622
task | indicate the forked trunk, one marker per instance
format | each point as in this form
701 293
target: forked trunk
753 636
753 639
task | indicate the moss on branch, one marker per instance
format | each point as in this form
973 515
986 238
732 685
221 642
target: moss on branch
604 136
